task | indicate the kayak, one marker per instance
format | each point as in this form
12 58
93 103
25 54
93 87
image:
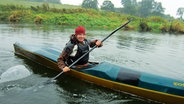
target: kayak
147 85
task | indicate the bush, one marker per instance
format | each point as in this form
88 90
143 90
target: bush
176 27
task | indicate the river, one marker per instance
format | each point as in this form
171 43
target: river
160 54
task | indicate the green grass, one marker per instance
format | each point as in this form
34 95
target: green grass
28 4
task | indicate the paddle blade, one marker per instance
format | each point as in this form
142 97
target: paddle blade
49 81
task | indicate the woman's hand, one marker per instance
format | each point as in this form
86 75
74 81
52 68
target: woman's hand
66 69
98 43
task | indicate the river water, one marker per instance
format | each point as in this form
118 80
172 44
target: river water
160 54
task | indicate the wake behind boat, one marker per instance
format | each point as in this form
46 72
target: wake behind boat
147 85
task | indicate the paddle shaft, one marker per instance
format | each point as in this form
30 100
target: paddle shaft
93 48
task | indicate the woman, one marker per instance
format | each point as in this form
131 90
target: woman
75 48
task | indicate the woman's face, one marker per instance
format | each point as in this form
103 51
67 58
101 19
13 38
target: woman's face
80 37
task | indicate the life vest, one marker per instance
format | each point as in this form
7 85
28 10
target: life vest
77 51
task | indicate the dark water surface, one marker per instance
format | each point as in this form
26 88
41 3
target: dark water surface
161 54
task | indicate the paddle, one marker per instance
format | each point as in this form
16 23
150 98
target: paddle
52 79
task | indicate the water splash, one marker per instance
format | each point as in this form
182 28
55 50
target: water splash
14 73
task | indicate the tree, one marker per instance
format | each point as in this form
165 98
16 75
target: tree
108 6
129 6
90 4
150 7
180 13
157 9
145 7
125 2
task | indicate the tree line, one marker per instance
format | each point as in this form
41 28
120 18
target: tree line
144 8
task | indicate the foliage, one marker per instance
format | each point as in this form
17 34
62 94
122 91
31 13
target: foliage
9 7
156 19
144 8
177 27
144 27
90 4
180 12
108 6
157 9
49 1
129 6
38 20
164 27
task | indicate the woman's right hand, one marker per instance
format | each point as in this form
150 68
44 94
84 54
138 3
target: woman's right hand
66 69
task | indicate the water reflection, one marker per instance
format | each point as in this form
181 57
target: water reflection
137 41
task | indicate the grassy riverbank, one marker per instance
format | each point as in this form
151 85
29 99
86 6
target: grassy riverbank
25 12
